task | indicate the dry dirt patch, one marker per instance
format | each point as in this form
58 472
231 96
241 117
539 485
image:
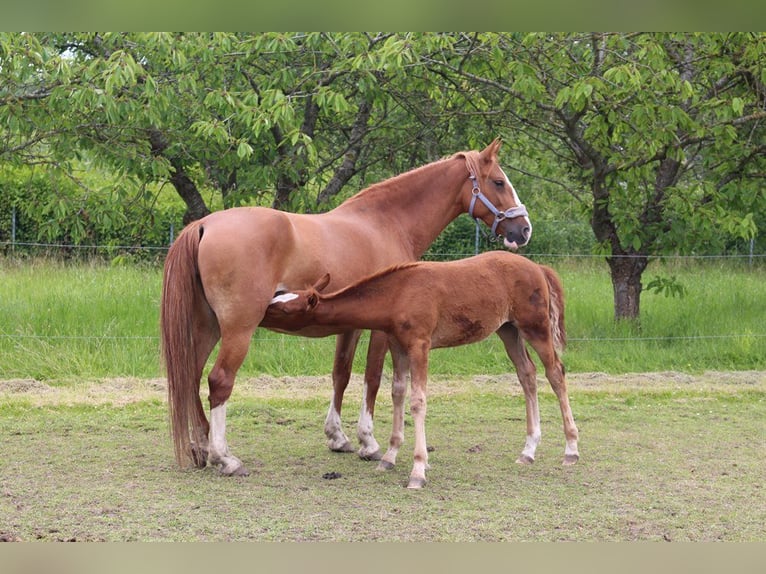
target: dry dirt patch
125 390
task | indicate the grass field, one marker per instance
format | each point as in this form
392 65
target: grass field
664 457
72 321
676 453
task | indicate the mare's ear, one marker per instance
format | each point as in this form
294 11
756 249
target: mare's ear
322 283
492 149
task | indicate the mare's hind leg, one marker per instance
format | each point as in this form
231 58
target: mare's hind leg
345 347
527 375
554 372
234 347
206 328
376 354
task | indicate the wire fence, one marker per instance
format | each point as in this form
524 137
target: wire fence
14 247
38 248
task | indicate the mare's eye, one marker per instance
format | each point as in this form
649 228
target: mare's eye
499 183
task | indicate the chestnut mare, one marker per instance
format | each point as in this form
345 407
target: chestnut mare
222 271
428 305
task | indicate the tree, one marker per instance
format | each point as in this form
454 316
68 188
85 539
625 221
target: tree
662 133
287 119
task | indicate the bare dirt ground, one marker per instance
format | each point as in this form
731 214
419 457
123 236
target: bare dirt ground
125 390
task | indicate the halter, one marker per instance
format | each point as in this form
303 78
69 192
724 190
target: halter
509 213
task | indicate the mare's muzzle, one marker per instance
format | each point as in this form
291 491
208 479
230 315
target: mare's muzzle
515 234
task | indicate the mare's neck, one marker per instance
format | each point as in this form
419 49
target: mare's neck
417 204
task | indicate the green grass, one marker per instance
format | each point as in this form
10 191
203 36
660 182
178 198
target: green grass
87 320
680 462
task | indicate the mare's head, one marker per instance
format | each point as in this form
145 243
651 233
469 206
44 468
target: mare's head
294 309
489 196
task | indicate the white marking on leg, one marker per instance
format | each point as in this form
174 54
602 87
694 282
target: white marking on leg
336 438
530 447
218 449
218 446
369 446
571 448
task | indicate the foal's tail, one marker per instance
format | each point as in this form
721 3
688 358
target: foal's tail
556 308
181 288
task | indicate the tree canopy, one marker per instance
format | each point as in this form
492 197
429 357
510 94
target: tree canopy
657 140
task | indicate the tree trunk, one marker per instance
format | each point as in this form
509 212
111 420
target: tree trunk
185 186
347 169
187 189
626 284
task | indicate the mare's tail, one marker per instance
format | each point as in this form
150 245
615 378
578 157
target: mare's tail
181 289
556 308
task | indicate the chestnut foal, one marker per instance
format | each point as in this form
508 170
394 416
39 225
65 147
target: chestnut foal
427 305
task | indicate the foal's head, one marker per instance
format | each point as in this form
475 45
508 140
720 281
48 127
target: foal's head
294 309
493 199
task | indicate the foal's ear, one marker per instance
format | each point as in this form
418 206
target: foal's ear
312 300
322 283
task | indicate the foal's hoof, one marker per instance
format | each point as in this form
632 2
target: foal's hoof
345 447
371 456
385 465
525 459
570 459
416 483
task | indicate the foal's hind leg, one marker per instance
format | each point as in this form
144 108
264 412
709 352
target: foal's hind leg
234 347
345 347
554 372
527 375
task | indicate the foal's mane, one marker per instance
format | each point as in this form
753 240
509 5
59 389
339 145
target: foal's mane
369 279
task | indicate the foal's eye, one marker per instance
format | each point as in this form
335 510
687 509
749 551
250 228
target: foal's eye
500 183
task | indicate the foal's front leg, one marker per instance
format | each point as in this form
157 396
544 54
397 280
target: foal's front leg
401 366
419 375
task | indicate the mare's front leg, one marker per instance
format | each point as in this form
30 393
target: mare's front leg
376 353
345 347
527 375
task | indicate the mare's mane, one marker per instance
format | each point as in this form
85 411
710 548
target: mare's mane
395 179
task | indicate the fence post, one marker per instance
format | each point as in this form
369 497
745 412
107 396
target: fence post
13 229
172 234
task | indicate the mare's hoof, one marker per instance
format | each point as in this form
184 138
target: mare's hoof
525 459
385 465
372 456
345 447
199 456
416 483
234 470
571 459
